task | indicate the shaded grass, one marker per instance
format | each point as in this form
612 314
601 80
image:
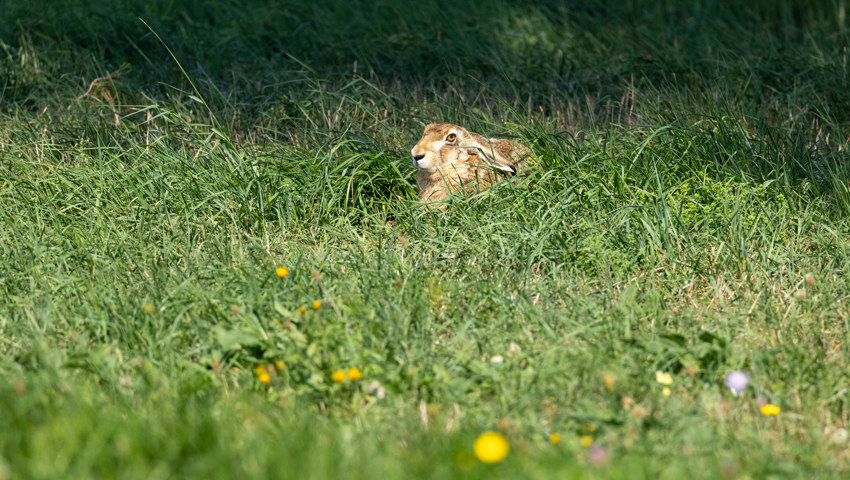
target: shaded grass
693 178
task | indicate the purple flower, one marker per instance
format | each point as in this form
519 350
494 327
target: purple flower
737 381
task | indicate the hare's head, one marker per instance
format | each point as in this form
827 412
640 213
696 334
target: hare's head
439 146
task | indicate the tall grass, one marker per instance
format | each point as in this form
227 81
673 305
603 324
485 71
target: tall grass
160 160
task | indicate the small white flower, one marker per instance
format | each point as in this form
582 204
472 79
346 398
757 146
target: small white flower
375 388
497 359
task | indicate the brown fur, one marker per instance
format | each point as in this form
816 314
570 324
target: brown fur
466 163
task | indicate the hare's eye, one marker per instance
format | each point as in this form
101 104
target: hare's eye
451 137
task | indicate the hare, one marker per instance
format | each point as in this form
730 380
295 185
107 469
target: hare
452 159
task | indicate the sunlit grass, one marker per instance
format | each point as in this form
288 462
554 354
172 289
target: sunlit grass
238 280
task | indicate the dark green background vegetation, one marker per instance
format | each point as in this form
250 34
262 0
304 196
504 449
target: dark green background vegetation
160 159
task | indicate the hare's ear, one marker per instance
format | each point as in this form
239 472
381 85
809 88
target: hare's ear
494 158
505 168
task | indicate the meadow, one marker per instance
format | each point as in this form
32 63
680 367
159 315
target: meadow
213 262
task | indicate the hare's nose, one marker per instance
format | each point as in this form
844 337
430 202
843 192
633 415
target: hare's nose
418 157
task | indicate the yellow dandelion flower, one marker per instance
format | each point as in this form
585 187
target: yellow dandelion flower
586 441
265 378
301 309
354 374
665 391
281 272
338 376
554 438
491 447
663 378
770 409
590 427
148 308
316 305
260 369
609 382
280 364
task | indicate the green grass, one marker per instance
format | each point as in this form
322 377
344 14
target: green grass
159 160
